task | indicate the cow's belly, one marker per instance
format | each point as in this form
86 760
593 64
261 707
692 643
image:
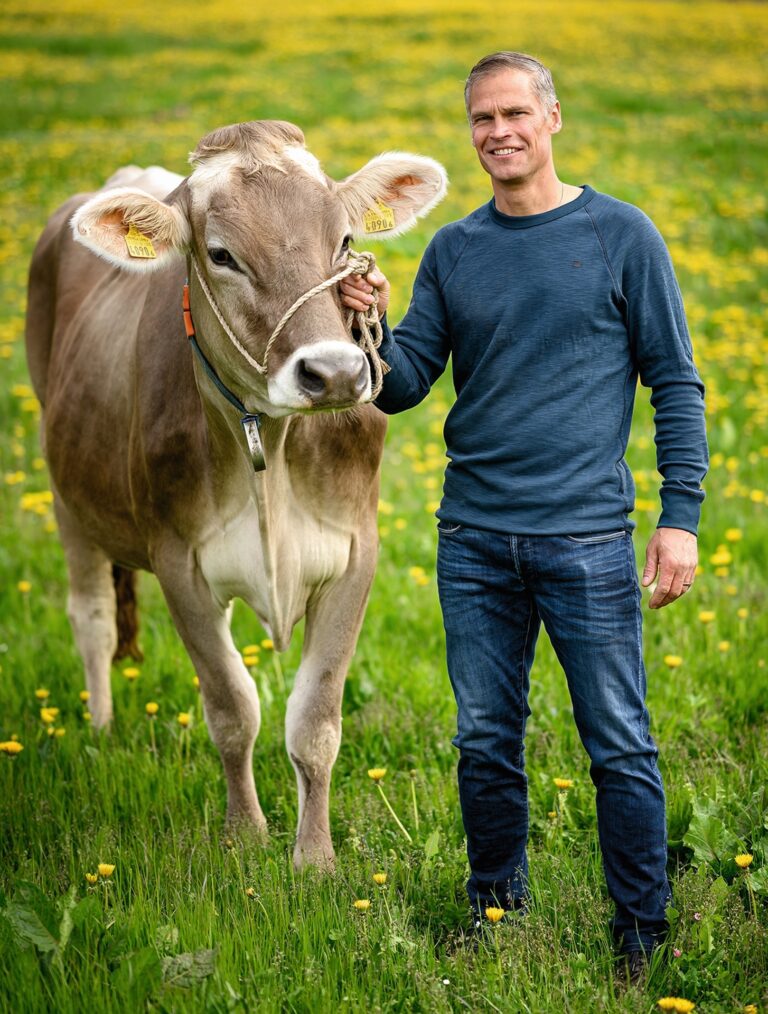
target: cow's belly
275 570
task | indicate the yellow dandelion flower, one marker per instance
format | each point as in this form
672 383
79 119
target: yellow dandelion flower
706 615
721 558
673 661
742 613
552 814
85 696
250 892
42 694
131 673
196 682
723 645
683 1006
268 644
744 860
250 660
667 1002
106 869
251 649
494 914
87 716
25 587
563 783
151 708
11 747
183 718
58 733
362 904
48 715
91 877
733 534
751 1008
376 773
380 879
401 524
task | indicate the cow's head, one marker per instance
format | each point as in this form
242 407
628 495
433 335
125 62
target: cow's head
265 225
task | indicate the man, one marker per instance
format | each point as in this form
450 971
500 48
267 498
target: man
551 300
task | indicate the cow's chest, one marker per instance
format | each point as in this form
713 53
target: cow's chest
274 561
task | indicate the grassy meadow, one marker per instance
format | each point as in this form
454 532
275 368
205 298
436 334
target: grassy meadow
664 106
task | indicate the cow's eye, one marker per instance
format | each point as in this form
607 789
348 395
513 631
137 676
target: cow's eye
344 247
222 257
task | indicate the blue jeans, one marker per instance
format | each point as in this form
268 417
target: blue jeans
495 590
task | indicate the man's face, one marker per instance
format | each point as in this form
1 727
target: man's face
511 129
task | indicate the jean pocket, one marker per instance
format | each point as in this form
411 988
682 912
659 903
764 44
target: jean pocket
448 527
595 538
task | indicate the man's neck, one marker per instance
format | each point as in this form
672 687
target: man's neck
530 197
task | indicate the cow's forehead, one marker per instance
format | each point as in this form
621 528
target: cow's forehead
229 168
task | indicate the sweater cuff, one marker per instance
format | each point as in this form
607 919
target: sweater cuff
680 510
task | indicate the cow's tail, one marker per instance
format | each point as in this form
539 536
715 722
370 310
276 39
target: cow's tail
127 614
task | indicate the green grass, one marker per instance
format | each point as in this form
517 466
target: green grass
663 107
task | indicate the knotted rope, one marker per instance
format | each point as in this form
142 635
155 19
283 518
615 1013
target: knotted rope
365 321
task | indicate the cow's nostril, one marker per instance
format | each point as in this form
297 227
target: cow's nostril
309 380
361 380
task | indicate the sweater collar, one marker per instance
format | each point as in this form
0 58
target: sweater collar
528 221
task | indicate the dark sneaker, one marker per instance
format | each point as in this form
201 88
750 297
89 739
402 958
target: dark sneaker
632 968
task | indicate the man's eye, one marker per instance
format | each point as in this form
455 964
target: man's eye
222 257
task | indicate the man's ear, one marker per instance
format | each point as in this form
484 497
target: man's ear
389 194
132 229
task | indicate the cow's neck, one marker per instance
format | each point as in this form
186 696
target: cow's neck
235 488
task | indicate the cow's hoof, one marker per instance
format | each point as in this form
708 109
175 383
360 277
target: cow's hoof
319 857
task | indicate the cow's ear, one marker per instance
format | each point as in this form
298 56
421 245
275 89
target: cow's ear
390 193
132 229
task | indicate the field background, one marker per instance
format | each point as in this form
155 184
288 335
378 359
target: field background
663 106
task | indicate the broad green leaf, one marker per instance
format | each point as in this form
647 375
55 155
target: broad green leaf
188 969
708 836
432 844
28 925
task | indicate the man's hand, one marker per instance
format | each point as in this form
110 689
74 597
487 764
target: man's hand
673 554
356 291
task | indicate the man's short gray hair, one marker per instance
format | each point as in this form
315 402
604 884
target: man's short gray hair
541 77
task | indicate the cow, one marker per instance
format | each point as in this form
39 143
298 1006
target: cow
156 451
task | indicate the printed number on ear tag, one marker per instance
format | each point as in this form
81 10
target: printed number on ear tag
379 219
138 244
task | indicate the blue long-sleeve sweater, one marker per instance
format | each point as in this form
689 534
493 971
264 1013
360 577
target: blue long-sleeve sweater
549 320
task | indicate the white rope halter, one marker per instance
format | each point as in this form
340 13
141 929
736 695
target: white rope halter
365 321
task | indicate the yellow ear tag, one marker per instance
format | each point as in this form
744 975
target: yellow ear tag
379 219
138 244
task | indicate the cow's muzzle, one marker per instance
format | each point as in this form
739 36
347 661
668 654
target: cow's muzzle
338 378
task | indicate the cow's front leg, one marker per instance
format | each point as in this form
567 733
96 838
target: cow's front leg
230 698
313 716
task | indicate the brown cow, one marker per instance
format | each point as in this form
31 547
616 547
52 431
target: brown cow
149 462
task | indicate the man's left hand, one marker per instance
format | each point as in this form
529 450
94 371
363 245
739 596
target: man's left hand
672 554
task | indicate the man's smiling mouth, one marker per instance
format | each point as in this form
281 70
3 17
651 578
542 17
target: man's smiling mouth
505 151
